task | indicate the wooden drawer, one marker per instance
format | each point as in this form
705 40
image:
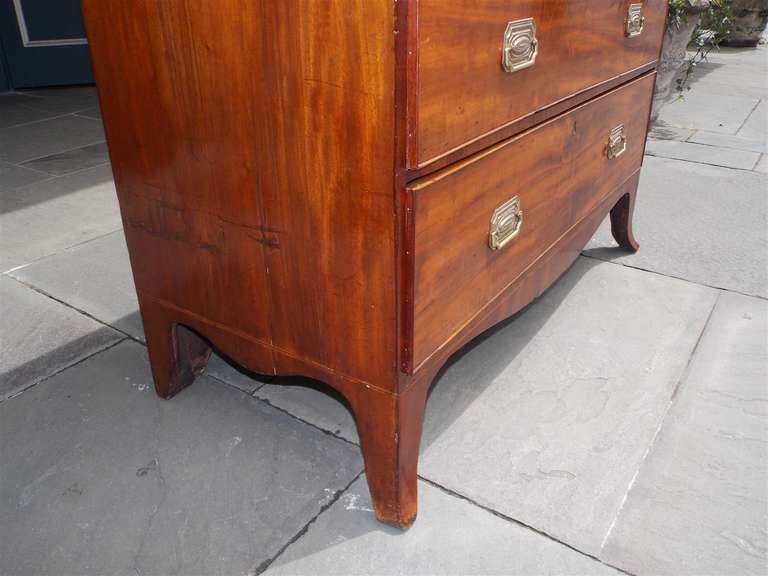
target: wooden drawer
459 91
559 171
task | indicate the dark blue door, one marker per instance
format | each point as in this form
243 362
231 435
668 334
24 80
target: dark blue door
43 43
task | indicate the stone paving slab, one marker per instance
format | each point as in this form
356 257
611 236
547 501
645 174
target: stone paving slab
35 105
71 160
451 536
103 477
706 154
756 126
762 165
12 176
29 141
727 79
94 112
702 223
733 72
312 402
234 375
39 337
47 217
94 277
63 100
728 141
547 420
17 109
698 110
700 502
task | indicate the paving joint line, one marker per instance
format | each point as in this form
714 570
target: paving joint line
22 92
42 292
748 116
219 379
26 160
652 155
62 369
10 271
278 408
81 114
82 242
310 424
707 144
50 176
719 288
62 174
250 395
687 369
662 421
258 569
54 117
520 523
282 410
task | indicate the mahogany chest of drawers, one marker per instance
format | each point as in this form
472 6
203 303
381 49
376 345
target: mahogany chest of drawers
350 190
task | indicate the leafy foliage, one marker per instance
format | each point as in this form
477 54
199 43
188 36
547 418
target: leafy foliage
714 27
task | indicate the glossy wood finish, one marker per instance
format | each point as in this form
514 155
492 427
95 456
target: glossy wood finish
533 282
260 157
520 125
621 223
560 170
462 92
253 154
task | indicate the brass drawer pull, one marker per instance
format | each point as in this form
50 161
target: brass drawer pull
520 45
506 222
617 142
635 21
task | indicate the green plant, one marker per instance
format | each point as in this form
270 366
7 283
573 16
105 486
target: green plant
714 27
678 13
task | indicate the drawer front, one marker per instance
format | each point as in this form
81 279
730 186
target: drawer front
461 91
520 196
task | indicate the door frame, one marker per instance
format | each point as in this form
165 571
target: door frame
31 63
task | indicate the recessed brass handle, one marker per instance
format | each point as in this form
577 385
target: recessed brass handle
520 45
635 21
506 222
617 142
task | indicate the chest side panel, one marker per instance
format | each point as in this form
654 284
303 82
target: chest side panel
252 149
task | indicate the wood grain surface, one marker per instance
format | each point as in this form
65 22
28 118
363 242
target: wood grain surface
252 146
262 152
560 170
462 91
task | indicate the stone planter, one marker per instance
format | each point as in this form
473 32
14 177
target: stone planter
673 55
749 20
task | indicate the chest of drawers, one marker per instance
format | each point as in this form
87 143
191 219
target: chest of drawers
350 190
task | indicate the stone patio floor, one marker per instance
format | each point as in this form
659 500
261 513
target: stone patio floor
617 425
